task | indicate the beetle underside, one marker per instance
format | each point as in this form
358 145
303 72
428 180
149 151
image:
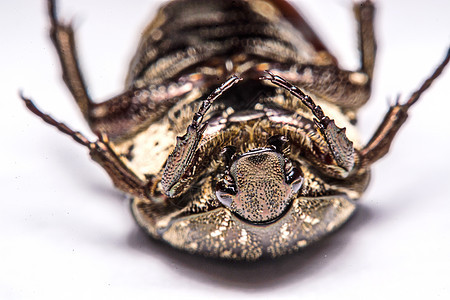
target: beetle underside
235 134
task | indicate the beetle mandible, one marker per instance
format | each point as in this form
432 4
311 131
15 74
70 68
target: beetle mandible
235 136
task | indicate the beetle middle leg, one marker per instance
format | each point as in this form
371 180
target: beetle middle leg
101 152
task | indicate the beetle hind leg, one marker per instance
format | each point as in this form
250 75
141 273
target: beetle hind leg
62 36
364 13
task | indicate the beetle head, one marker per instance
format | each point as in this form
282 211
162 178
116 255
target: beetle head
259 184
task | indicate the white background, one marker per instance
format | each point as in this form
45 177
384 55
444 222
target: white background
67 234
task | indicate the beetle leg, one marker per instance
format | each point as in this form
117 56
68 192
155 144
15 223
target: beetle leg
180 162
101 152
133 110
122 115
340 146
364 13
62 37
381 141
346 89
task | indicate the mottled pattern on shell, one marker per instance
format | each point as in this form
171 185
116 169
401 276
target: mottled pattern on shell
262 191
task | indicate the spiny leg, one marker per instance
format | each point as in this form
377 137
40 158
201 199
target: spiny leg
127 113
381 141
133 110
347 89
101 152
340 146
175 176
63 38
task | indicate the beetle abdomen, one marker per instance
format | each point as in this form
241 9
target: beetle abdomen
211 32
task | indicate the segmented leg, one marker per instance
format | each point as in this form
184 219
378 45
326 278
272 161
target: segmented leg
346 89
381 141
63 38
296 19
126 113
133 110
364 14
179 164
101 152
340 146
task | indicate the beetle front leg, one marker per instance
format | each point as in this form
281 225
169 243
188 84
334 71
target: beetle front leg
102 153
179 166
340 146
381 141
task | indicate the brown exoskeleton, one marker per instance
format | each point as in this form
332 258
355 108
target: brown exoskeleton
235 135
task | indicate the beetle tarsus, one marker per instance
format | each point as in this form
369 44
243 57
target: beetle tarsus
206 104
101 152
380 142
76 135
427 83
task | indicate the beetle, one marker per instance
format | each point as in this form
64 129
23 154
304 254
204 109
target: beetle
235 136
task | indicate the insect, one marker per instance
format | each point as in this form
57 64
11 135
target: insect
235 136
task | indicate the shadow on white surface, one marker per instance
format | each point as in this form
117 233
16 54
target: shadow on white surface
262 274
